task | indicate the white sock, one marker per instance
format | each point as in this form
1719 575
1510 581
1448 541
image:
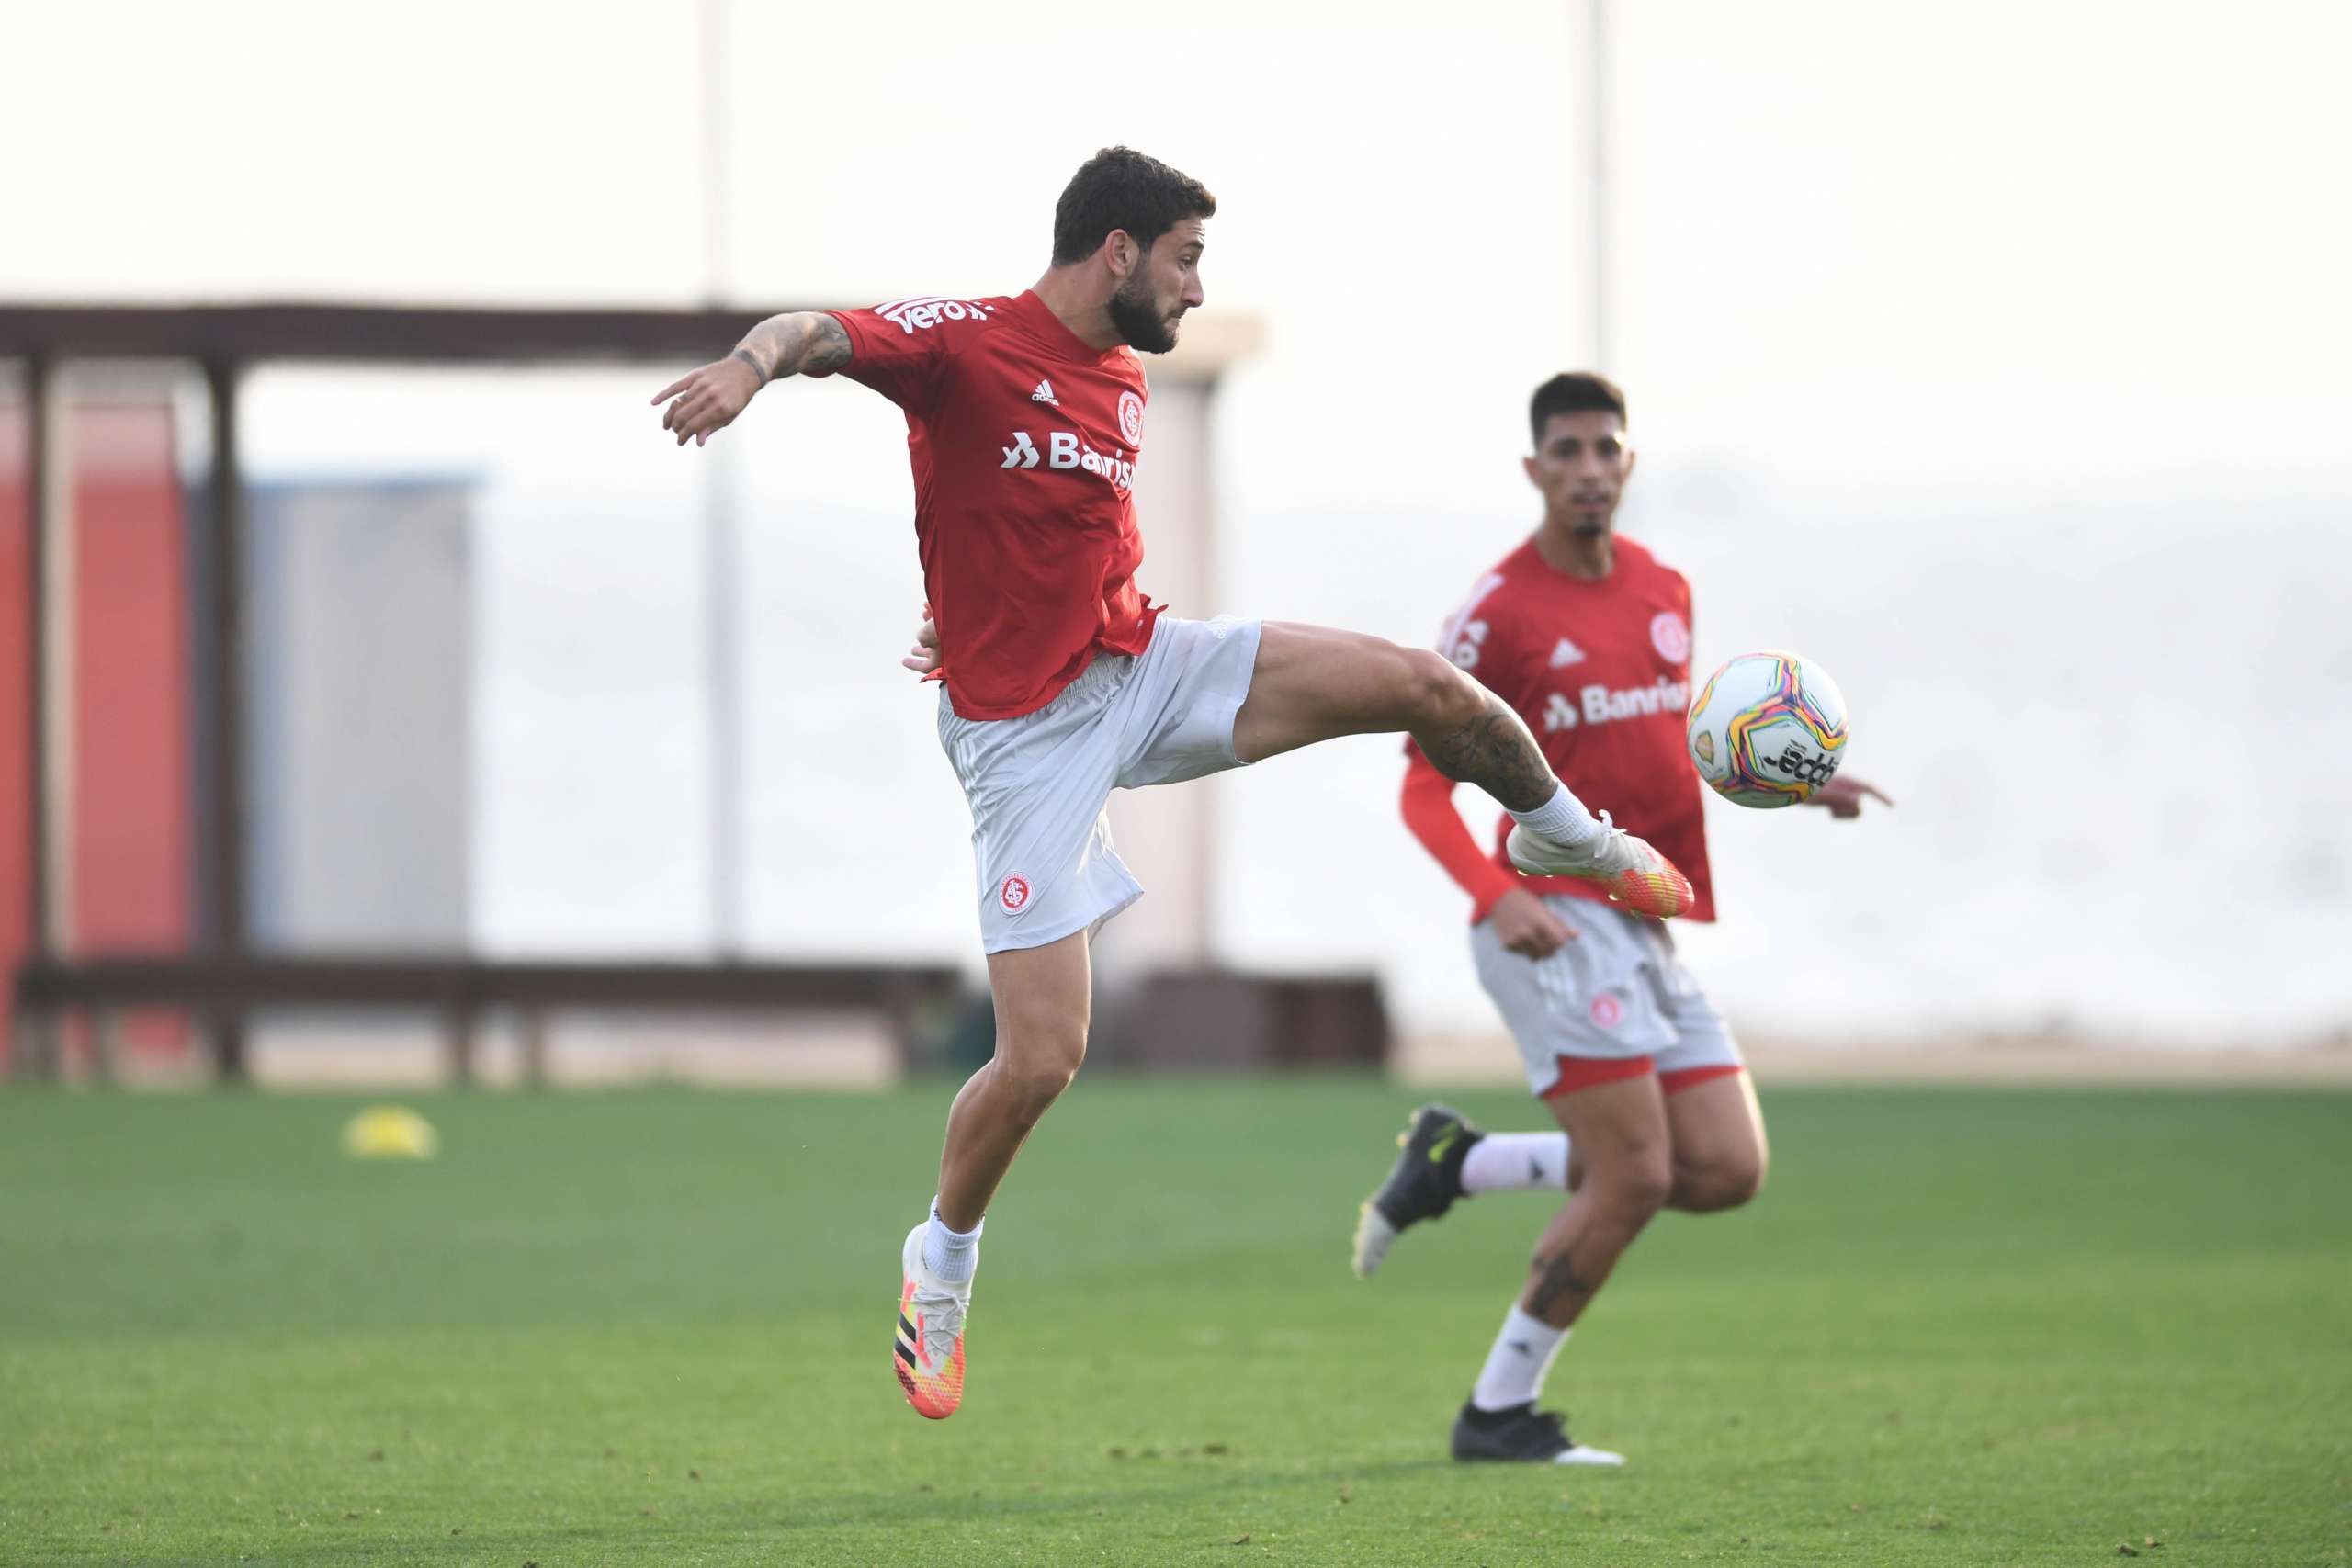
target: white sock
951 1255
1517 1162
1563 818
1517 1365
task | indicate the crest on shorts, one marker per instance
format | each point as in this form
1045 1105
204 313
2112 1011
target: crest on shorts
1607 1011
1669 636
1013 894
1131 418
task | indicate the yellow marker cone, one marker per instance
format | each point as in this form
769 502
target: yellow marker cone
389 1132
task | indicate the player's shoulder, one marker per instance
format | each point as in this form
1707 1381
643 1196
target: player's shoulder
1638 559
1518 574
1493 579
1482 619
950 316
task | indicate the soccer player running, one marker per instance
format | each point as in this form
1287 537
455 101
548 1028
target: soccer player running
1061 682
1588 638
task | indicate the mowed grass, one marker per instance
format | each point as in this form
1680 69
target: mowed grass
1961 1326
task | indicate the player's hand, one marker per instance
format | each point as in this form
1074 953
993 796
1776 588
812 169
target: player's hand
1843 796
1526 927
707 401
923 658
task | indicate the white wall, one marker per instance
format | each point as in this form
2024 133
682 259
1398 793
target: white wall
1990 354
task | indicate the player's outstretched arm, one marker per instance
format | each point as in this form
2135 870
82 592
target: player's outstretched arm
796 342
1843 796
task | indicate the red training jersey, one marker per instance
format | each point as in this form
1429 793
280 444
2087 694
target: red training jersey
1025 443
1601 670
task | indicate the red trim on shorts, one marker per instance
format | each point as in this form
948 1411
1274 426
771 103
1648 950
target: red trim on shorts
1591 1072
1681 1079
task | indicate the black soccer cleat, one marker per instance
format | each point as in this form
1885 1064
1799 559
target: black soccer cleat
1421 1185
1522 1435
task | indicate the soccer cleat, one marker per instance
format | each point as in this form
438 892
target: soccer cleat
928 1354
1421 1185
1628 869
1522 1435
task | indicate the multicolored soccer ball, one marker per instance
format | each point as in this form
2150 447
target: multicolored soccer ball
1768 729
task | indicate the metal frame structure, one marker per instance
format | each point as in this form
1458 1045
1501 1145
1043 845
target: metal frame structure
225 341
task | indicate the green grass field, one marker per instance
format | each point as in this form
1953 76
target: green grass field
653 1327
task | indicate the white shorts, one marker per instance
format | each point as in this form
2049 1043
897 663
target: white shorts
1613 1003
1038 784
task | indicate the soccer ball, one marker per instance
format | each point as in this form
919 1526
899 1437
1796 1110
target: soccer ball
1768 729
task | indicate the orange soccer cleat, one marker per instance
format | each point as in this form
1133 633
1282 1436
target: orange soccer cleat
1633 874
928 1354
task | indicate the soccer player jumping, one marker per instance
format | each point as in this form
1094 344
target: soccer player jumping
1588 636
1061 682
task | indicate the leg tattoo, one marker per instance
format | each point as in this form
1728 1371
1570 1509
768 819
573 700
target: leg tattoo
1557 1282
1494 751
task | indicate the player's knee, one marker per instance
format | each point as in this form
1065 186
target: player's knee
1034 1077
1433 692
1724 1182
1630 1187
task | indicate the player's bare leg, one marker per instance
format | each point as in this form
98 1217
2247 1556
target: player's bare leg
1622 1137
1719 1158
1624 1149
1043 998
1719 1152
1315 683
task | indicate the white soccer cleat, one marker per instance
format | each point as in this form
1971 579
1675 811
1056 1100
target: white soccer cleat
1628 869
1375 1236
928 1352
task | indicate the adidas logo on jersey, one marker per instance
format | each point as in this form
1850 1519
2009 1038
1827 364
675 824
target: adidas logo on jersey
1567 653
1045 394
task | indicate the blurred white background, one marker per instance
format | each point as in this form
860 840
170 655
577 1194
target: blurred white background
1993 355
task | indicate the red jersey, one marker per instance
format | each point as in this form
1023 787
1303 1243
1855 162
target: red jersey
1023 442
1601 670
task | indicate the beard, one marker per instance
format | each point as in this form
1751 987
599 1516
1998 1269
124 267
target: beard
1136 316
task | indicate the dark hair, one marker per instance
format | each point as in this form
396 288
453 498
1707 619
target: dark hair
1120 188
1573 391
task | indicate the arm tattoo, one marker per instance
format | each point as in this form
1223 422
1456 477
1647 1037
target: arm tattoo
805 341
1557 1282
829 348
1494 751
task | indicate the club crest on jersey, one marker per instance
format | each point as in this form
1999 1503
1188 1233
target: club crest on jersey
1607 1011
1131 418
1013 894
1670 637
910 316
1065 449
